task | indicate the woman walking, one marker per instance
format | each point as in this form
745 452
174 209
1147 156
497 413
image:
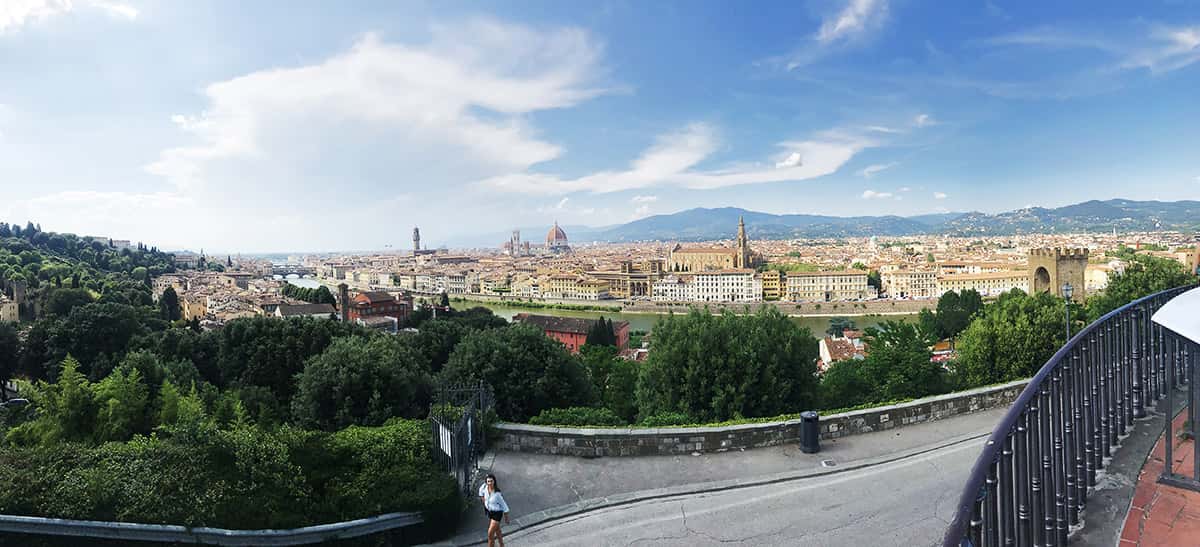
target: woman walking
494 505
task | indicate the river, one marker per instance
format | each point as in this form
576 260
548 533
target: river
645 321
306 282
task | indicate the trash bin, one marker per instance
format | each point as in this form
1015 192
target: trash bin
810 432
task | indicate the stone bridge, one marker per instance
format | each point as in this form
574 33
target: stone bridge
293 269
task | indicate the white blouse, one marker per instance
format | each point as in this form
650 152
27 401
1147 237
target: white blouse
495 502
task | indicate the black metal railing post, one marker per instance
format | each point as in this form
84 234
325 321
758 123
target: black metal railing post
1058 468
1068 426
1139 370
1126 374
1007 526
1088 394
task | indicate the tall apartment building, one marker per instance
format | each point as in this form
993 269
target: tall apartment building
732 285
827 286
773 285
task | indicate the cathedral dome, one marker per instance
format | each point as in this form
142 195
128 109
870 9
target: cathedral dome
556 238
556 234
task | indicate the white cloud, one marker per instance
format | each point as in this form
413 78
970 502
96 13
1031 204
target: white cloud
1153 46
871 170
793 160
852 23
644 199
15 14
939 195
882 129
1169 48
924 120
458 102
871 194
905 189
856 18
674 156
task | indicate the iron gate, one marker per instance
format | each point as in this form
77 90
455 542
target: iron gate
458 420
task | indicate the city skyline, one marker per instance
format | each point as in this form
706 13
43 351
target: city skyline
336 129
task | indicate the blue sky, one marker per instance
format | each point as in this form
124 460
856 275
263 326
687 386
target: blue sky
256 126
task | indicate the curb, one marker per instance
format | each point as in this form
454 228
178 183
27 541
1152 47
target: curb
563 511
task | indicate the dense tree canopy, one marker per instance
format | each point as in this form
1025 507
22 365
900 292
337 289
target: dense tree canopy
897 367
1011 338
358 381
270 352
436 339
318 295
955 311
60 301
613 378
718 367
528 371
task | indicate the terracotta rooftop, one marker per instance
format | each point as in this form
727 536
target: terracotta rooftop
288 310
553 323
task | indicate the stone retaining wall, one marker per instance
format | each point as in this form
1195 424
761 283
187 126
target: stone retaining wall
596 442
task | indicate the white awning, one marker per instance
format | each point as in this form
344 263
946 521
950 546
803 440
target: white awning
1182 315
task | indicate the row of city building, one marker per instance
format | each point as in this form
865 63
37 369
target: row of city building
732 271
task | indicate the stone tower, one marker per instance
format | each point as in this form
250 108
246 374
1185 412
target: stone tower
344 302
514 243
1050 268
416 239
742 260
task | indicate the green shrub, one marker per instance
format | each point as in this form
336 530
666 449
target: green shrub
666 419
577 416
240 478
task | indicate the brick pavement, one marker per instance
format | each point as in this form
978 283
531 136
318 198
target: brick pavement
1161 514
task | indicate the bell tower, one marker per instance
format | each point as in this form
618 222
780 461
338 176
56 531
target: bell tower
743 246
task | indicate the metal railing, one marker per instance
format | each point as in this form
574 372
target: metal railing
459 429
1032 481
393 525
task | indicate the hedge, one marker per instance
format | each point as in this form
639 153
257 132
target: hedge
578 416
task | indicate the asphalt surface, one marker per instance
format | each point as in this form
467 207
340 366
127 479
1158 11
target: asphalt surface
544 488
885 504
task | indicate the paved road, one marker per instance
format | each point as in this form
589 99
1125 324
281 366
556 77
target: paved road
534 483
906 502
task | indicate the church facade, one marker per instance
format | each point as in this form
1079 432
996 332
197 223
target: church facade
700 259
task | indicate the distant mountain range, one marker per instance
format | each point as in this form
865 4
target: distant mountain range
1089 216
